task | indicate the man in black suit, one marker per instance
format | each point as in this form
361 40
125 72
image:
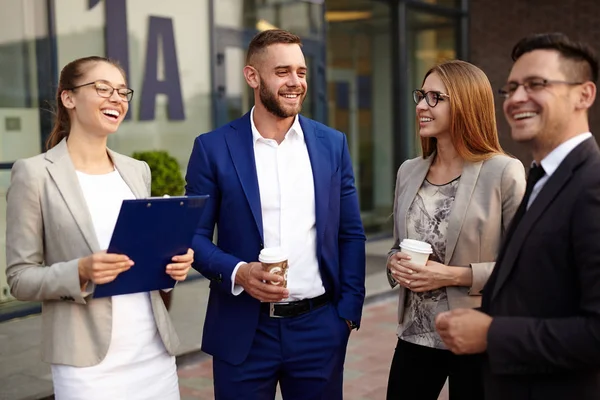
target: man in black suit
539 328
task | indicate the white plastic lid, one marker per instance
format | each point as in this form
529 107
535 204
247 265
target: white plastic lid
417 246
272 255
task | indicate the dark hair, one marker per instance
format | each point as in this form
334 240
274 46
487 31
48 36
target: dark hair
68 79
582 56
267 38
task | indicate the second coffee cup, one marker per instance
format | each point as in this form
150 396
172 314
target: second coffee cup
417 250
274 260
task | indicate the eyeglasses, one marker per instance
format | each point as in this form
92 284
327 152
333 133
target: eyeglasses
531 85
431 97
105 90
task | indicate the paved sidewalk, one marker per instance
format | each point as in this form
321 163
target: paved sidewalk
367 365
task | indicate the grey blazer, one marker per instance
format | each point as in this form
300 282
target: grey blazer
48 229
488 195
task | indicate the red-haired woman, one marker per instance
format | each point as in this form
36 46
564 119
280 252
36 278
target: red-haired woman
459 197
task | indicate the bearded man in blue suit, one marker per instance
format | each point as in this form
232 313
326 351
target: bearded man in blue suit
277 179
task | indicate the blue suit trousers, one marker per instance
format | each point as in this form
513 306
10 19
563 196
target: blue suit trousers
304 354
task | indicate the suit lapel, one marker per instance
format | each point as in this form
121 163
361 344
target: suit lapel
241 148
63 173
549 191
462 200
320 156
417 176
129 174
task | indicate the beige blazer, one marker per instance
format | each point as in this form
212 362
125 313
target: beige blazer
48 229
488 195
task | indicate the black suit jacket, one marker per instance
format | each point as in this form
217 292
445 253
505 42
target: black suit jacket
544 294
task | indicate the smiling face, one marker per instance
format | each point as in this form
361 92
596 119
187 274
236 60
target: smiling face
434 121
281 82
542 115
90 112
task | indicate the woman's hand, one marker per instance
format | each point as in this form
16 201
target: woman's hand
417 278
394 266
180 267
102 267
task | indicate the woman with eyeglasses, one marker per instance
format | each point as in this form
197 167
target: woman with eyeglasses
459 197
62 207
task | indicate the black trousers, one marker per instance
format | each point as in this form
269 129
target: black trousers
419 373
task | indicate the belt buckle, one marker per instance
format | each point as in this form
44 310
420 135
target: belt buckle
272 310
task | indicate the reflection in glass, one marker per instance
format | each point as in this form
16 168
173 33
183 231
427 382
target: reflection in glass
304 18
445 3
431 39
359 80
19 114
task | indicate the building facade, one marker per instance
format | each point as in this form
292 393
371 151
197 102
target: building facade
495 27
184 59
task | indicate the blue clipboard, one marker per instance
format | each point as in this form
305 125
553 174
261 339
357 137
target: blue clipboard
150 232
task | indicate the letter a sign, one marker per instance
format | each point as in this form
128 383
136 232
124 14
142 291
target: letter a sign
160 36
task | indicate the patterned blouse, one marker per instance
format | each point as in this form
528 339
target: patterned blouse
428 222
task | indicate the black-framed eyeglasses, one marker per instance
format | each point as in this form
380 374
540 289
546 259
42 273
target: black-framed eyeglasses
531 85
105 90
431 97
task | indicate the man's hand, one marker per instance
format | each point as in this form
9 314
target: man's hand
463 330
349 325
252 278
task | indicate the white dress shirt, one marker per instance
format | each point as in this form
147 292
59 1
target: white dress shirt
287 202
552 161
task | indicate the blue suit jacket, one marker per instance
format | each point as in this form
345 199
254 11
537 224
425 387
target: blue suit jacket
222 165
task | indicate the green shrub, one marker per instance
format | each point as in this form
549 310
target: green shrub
166 175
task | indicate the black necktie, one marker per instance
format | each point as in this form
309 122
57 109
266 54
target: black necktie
536 172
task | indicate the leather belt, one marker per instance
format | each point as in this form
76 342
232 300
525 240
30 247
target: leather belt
294 308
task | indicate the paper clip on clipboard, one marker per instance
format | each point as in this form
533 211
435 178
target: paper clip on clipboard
150 232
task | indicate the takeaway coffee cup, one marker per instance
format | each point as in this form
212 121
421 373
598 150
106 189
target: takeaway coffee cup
274 261
419 251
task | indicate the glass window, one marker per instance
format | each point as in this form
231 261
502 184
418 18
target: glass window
240 97
168 50
431 39
20 26
359 80
446 3
23 31
304 18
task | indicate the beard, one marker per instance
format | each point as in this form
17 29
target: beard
273 104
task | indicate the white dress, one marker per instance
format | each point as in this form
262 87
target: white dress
137 365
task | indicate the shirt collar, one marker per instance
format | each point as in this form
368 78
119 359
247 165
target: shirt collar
551 162
296 128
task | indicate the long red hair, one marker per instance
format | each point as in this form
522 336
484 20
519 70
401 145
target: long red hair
473 128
